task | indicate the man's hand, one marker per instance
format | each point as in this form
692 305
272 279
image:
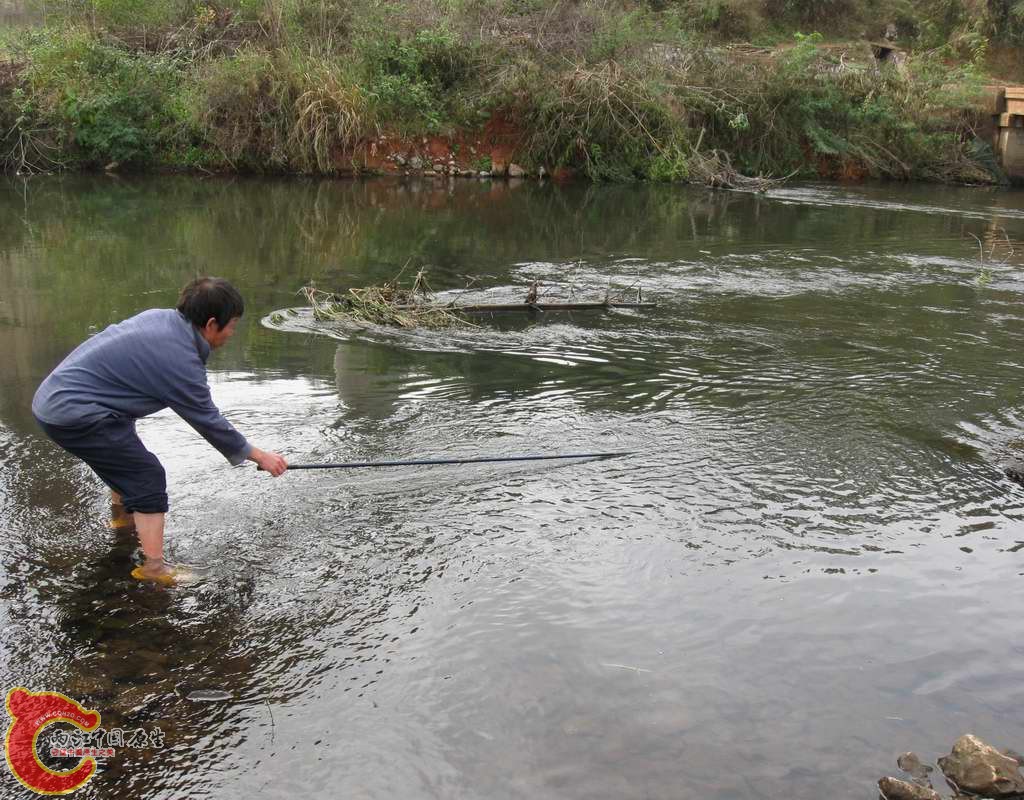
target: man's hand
270 462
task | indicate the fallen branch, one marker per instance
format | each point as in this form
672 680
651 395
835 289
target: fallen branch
714 168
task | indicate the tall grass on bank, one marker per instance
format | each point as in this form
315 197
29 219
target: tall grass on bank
617 91
609 121
805 110
800 111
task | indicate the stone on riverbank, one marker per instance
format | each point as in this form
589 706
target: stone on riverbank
895 789
978 768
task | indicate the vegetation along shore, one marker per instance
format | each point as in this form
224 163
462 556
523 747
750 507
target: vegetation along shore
722 92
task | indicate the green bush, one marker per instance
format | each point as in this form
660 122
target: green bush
803 112
124 13
729 19
611 123
1005 20
143 12
323 26
257 112
414 80
831 13
244 107
619 35
104 104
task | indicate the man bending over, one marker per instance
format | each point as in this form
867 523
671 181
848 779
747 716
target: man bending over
154 360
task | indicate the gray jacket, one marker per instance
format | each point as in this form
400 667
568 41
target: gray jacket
154 360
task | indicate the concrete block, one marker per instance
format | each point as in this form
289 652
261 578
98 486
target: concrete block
995 98
1011 151
1010 100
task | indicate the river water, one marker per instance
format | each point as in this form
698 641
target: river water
811 564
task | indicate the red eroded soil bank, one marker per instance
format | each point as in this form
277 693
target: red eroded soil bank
490 151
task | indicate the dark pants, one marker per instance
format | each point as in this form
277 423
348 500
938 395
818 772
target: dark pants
113 450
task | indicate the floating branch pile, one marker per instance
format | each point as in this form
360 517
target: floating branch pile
389 304
417 307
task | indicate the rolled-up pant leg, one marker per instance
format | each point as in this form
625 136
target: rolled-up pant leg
113 450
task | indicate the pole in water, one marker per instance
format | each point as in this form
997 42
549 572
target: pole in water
439 461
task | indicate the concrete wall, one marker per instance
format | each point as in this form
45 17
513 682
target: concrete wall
1011 152
1009 134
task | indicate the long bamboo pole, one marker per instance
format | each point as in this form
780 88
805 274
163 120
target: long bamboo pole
484 307
436 461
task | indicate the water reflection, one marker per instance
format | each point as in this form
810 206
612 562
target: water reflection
798 572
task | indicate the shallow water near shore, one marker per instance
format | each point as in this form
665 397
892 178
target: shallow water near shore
811 565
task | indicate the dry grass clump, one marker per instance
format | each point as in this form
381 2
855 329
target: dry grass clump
614 122
329 115
243 106
264 111
390 304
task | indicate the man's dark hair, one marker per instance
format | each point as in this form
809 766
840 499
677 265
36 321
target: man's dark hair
210 297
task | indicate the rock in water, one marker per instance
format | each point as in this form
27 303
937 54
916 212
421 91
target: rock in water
975 767
911 764
895 789
1015 472
208 696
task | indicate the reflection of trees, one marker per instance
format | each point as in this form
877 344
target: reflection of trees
375 379
372 378
368 379
108 241
79 252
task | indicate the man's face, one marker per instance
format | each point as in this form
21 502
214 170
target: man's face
216 336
